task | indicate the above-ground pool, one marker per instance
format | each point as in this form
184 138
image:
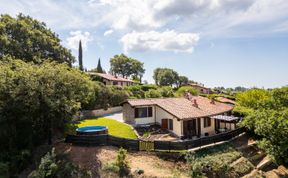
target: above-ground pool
92 130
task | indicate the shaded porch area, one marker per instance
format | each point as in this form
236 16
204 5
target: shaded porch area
225 123
208 126
192 128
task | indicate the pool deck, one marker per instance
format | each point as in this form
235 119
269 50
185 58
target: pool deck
116 116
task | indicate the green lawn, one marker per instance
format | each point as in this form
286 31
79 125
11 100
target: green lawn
115 128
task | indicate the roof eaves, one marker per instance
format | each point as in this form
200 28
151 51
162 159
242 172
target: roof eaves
207 115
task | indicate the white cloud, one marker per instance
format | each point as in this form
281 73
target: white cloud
168 40
218 18
108 32
58 15
130 14
72 42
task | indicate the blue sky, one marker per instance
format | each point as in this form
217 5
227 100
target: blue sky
215 42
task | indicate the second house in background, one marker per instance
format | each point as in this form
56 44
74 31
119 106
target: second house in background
109 79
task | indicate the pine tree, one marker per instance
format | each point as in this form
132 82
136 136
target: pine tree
80 56
99 67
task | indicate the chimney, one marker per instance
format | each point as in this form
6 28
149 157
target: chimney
195 104
212 101
188 96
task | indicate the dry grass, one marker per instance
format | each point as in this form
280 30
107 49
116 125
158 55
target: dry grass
95 159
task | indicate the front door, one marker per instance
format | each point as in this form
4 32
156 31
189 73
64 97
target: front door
164 123
192 127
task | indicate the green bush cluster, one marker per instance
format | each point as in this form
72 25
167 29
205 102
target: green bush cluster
181 91
266 115
35 102
58 166
120 165
216 160
106 96
154 91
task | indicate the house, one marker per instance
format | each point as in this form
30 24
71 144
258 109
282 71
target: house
225 100
187 117
201 88
114 80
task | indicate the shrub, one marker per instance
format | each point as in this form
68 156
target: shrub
139 171
216 160
121 162
153 94
166 91
120 165
111 167
146 134
266 115
147 87
36 101
243 167
118 95
4 170
182 90
135 91
196 168
58 166
47 167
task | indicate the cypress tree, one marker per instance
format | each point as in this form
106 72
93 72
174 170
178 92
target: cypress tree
99 67
80 56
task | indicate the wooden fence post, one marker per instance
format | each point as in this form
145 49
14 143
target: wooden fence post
123 142
138 147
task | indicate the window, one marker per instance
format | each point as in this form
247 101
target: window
170 127
115 83
207 122
143 112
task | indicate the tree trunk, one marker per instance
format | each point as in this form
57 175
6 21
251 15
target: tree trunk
49 132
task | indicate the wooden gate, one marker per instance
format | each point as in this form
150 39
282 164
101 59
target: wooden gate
146 146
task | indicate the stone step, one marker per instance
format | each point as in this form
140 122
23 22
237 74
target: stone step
255 173
266 161
283 170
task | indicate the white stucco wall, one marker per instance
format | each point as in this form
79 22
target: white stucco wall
124 83
162 114
210 130
146 120
157 115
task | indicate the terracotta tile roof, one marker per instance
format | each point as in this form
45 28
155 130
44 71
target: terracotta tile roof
225 100
111 77
183 108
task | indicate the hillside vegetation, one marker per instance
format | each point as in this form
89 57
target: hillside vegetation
266 116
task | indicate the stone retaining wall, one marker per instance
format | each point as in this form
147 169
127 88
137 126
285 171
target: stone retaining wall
100 112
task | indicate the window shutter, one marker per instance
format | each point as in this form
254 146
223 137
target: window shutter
170 124
150 112
136 112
